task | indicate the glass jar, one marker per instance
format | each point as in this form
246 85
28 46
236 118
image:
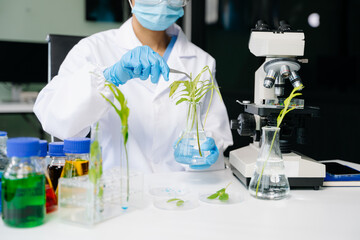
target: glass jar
3 157
77 151
51 201
269 180
23 184
57 163
187 149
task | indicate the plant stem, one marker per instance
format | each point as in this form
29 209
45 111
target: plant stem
263 168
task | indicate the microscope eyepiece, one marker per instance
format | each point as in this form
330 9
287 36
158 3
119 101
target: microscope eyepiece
262 26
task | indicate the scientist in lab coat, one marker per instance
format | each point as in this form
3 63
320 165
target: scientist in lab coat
136 57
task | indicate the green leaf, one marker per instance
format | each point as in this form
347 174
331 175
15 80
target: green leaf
213 196
173 199
181 100
221 191
224 197
180 203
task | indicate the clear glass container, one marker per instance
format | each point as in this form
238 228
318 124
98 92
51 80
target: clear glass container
3 157
57 163
187 150
77 151
23 184
269 180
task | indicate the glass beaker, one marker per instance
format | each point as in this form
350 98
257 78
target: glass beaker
187 149
269 180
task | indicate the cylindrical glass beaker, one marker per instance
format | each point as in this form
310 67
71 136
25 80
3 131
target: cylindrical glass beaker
23 184
269 180
77 151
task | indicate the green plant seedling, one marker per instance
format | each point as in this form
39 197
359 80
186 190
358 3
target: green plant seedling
192 91
123 113
281 116
179 202
95 169
221 194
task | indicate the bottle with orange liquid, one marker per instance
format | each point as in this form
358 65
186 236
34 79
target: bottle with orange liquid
77 151
51 200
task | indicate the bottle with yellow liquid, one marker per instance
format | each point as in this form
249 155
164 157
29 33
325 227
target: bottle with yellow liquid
77 151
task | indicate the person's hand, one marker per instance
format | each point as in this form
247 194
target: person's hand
141 62
185 153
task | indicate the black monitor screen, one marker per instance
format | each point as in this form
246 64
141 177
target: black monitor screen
23 62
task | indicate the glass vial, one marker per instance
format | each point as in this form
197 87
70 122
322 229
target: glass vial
77 151
269 180
23 184
51 201
57 163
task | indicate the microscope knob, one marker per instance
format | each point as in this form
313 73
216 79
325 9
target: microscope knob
245 124
262 26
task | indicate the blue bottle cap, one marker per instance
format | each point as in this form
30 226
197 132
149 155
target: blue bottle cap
2 133
23 147
77 145
43 148
56 149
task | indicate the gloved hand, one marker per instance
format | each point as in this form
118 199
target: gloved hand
141 62
185 153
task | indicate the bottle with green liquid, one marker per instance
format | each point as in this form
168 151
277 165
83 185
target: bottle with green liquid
23 184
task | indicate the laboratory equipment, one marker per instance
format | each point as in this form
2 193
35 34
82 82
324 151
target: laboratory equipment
57 155
269 180
51 202
174 197
281 49
179 72
77 151
193 148
79 204
23 184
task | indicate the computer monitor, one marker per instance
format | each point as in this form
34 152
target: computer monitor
22 63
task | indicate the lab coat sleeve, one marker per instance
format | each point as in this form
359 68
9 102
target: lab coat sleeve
217 124
72 102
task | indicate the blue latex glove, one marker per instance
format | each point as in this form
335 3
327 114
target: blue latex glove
185 154
141 62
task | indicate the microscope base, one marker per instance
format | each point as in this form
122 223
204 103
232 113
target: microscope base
302 172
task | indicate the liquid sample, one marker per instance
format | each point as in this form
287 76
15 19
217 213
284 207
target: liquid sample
75 168
24 201
51 200
54 174
273 183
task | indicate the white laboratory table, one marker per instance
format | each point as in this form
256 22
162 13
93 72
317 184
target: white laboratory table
329 213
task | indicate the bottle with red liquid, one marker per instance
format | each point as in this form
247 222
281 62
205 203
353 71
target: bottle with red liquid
57 162
51 201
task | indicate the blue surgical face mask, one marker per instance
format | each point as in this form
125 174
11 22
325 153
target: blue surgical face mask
157 17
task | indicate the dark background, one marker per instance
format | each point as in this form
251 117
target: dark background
331 77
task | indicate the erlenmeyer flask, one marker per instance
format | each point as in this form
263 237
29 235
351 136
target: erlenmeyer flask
188 147
269 180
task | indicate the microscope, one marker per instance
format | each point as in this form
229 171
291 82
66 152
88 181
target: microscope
281 48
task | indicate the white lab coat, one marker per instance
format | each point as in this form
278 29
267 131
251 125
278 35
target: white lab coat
71 102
